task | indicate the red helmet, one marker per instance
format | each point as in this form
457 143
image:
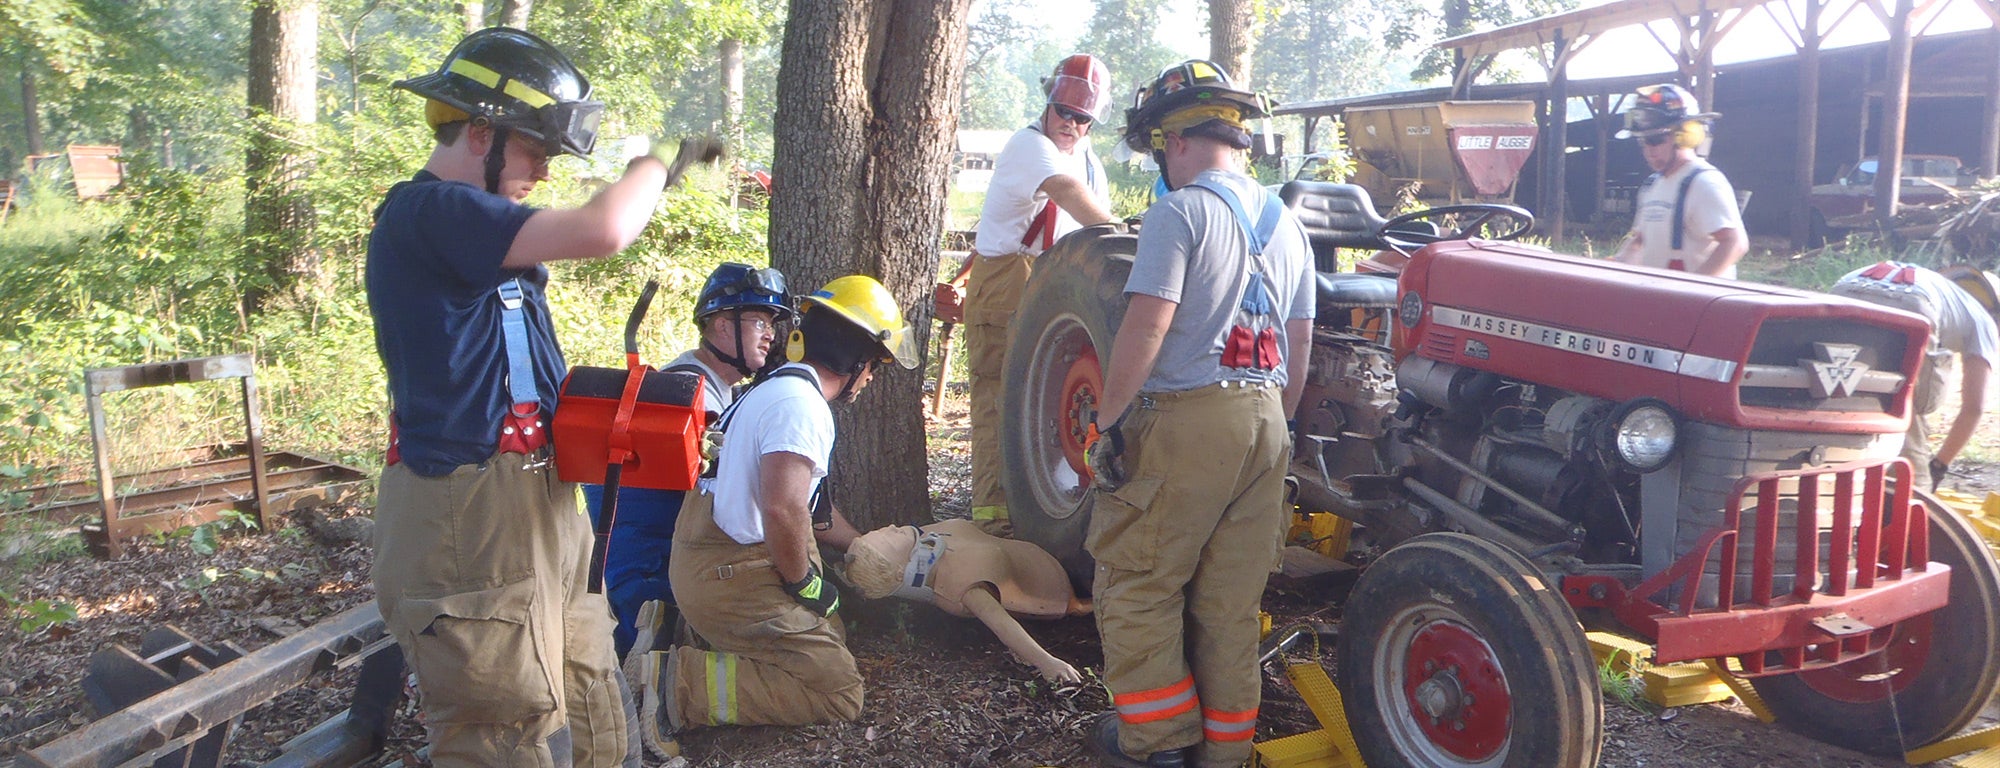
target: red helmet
1078 83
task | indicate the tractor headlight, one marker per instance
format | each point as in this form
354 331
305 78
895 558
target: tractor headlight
1644 434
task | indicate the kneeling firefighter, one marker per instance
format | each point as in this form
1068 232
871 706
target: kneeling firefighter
744 568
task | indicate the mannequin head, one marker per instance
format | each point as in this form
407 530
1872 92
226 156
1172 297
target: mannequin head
875 561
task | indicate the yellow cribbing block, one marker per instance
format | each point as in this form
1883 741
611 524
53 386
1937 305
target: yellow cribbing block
1324 699
1987 759
1312 749
1263 625
1679 685
1331 533
1743 691
1618 652
1984 738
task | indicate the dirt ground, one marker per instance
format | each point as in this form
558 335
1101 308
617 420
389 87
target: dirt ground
941 691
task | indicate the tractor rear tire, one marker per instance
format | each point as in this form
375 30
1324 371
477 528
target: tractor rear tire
1945 664
1054 380
1455 651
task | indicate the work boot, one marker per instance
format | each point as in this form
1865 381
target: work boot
1104 739
659 722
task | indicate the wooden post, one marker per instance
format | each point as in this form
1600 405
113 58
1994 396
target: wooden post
1895 108
1603 122
1989 134
1806 138
1558 213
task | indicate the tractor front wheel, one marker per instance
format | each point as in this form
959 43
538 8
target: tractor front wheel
1936 674
1455 651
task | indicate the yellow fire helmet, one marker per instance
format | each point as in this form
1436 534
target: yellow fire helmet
867 304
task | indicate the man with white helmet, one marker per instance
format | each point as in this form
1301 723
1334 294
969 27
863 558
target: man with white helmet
1047 182
1685 218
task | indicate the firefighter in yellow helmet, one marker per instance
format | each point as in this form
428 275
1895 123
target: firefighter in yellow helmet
744 569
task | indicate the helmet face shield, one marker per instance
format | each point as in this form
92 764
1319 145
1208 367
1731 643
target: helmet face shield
1077 94
571 126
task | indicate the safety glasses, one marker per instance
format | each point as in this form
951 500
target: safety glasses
1071 115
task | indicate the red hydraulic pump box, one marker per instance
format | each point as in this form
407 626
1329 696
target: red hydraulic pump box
662 423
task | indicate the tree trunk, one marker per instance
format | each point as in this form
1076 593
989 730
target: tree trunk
1229 37
514 13
863 137
139 129
278 216
31 110
474 12
731 51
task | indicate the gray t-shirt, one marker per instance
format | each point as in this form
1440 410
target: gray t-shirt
1193 252
716 395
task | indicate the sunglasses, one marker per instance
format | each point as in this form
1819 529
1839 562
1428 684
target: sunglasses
1657 139
1080 118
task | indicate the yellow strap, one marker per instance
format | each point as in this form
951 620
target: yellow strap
491 79
1193 116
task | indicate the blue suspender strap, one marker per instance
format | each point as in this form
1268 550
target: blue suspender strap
1267 223
520 367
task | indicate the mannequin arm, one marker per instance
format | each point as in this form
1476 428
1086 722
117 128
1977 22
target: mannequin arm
983 604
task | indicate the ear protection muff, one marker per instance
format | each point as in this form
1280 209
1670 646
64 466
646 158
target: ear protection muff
795 346
1159 140
1691 134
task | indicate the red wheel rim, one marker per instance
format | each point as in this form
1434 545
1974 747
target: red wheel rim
1860 681
1082 384
1456 691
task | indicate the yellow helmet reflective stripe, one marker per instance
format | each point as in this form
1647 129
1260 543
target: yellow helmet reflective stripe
865 303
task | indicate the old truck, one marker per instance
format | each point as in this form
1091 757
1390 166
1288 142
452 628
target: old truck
1532 440
1849 202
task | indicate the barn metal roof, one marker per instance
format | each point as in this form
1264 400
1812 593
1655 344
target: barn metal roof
1583 22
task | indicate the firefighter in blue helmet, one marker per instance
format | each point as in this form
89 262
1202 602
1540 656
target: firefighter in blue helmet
737 315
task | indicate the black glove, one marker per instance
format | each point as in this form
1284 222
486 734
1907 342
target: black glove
1106 457
815 593
1938 470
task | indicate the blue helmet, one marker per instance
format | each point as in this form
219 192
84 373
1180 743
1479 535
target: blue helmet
741 286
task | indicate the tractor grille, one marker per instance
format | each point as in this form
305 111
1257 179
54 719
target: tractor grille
1781 370
1714 459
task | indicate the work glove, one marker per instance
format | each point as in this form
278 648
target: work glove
711 448
815 593
1106 456
948 302
1938 470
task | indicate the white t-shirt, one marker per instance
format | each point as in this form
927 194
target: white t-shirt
716 395
1711 206
782 414
1014 196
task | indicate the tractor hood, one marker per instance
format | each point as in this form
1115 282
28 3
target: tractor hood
1719 351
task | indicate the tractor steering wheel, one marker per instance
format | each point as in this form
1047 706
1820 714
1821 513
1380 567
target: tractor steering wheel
1398 232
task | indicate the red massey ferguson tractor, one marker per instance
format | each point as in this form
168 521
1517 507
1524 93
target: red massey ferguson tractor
1528 439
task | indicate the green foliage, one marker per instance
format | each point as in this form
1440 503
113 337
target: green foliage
37 615
1623 687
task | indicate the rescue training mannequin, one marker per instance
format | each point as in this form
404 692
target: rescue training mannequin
969 573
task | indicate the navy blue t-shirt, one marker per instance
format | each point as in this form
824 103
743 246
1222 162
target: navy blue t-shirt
433 276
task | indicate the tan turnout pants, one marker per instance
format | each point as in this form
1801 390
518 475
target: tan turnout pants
770 661
480 578
1933 382
993 292
1183 549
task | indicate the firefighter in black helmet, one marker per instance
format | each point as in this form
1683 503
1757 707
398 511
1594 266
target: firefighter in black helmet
480 561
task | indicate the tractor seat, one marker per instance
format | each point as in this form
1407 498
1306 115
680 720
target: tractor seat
1335 216
1344 291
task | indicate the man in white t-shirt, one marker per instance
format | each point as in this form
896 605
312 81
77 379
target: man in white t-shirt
1961 327
744 568
1685 218
1047 182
